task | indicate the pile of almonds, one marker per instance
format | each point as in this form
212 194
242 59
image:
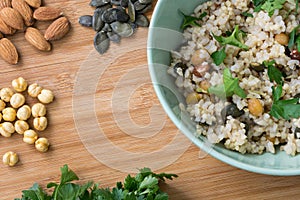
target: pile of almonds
20 15
18 117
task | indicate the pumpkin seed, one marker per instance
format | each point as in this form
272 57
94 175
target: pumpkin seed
131 11
85 20
116 2
98 24
122 29
145 1
146 9
107 28
114 37
101 42
124 3
114 14
142 20
98 3
138 6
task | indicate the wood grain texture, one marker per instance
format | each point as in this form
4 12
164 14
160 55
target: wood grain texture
199 178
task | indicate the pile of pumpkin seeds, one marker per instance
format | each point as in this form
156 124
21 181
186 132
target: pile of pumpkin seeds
114 19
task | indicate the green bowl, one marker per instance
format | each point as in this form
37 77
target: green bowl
165 35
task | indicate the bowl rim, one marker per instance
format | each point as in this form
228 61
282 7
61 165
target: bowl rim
211 151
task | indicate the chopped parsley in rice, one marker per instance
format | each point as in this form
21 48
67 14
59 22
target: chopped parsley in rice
239 71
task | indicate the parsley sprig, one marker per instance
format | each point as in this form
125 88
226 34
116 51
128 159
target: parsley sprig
234 39
143 186
189 20
294 39
268 5
281 108
229 87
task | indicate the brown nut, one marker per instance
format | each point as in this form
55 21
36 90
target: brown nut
36 39
58 29
46 13
12 18
23 8
8 51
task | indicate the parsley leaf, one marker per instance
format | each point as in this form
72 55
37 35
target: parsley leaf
273 72
286 109
229 87
218 56
268 5
246 14
292 37
234 39
141 187
189 20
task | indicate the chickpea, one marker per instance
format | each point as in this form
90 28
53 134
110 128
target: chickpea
21 126
200 70
17 100
282 38
255 107
193 98
204 85
46 96
9 114
5 94
24 112
10 158
19 84
42 144
2 105
34 90
30 136
7 129
38 110
40 123
195 59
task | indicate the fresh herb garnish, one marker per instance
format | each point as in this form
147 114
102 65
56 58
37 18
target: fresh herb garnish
268 5
218 56
143 186
189 20
234 39
286 109
229 87
246 14
273 72
293 35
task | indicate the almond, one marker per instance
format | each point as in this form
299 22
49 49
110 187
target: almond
35 37
4 28
58 29
46 13
5 3
23 8
8 51
12 18
34 3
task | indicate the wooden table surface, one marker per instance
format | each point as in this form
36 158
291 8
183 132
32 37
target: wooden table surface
106 122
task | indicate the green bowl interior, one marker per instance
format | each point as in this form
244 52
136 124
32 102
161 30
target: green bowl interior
165 35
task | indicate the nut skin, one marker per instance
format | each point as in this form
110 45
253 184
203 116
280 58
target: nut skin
30 136
10 158
58 29
5 29
5 4
21 126
25 11
40 123
2 105
34 90
7 129
19 84
9 114
24 112
6 94
8 51
38 110
12 18
36 39
46 96
17 100
46 13
42 144
34 3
